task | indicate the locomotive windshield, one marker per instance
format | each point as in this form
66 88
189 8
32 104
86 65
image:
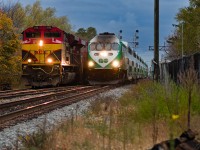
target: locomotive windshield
33 34
103 46
52 34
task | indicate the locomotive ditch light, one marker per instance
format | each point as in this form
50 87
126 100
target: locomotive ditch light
24 67
90 63
115 63
49 60
41 43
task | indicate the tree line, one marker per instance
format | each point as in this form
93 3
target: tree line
186 37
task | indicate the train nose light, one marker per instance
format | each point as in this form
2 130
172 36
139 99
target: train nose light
29 60
115 63
41 43
104 54
24 67
49 60
90 63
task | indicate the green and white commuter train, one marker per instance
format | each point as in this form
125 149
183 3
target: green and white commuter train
112 61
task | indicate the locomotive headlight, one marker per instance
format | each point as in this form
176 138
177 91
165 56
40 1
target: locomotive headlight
49 60
103 54
29 60
41 43
90 63
24 67
115 63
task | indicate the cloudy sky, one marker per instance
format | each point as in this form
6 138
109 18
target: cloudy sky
115 15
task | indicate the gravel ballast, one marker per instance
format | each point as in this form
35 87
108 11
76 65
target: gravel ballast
8 137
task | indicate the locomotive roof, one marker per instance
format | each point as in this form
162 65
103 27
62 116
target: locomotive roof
72 38
42 28
106 33
103 38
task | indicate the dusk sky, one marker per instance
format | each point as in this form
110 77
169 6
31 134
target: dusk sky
115 15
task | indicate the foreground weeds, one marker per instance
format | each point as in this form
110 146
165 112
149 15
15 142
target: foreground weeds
147 114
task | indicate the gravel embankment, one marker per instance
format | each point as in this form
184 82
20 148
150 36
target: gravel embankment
8 136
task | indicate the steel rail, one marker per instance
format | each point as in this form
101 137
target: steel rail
38 98
30 92
51 104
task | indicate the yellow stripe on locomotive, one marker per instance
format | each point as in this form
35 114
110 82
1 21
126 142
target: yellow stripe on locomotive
42 54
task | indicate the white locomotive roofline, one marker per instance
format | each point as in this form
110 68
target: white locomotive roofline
113 37
125 43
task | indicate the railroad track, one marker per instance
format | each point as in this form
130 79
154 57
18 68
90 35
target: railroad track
24 92
13 112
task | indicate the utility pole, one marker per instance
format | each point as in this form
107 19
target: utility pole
156 40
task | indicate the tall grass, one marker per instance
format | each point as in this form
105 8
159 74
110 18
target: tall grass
148 113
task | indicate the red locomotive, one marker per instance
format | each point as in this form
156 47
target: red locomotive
50 56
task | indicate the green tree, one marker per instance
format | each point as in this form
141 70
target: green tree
9 45
16 12
189 18
34 15
86 34
91 32
81 32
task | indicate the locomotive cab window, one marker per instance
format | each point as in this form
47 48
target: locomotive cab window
99 46
93 46
104 46
115 46
96 46
107 46
33 34
52 34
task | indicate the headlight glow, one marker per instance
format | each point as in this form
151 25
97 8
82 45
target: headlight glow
49 60
90 63
29 60
104 54
41 43
115 63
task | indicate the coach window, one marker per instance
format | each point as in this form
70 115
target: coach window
127 60
134 54
132 63
130 51
135 69
130 69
